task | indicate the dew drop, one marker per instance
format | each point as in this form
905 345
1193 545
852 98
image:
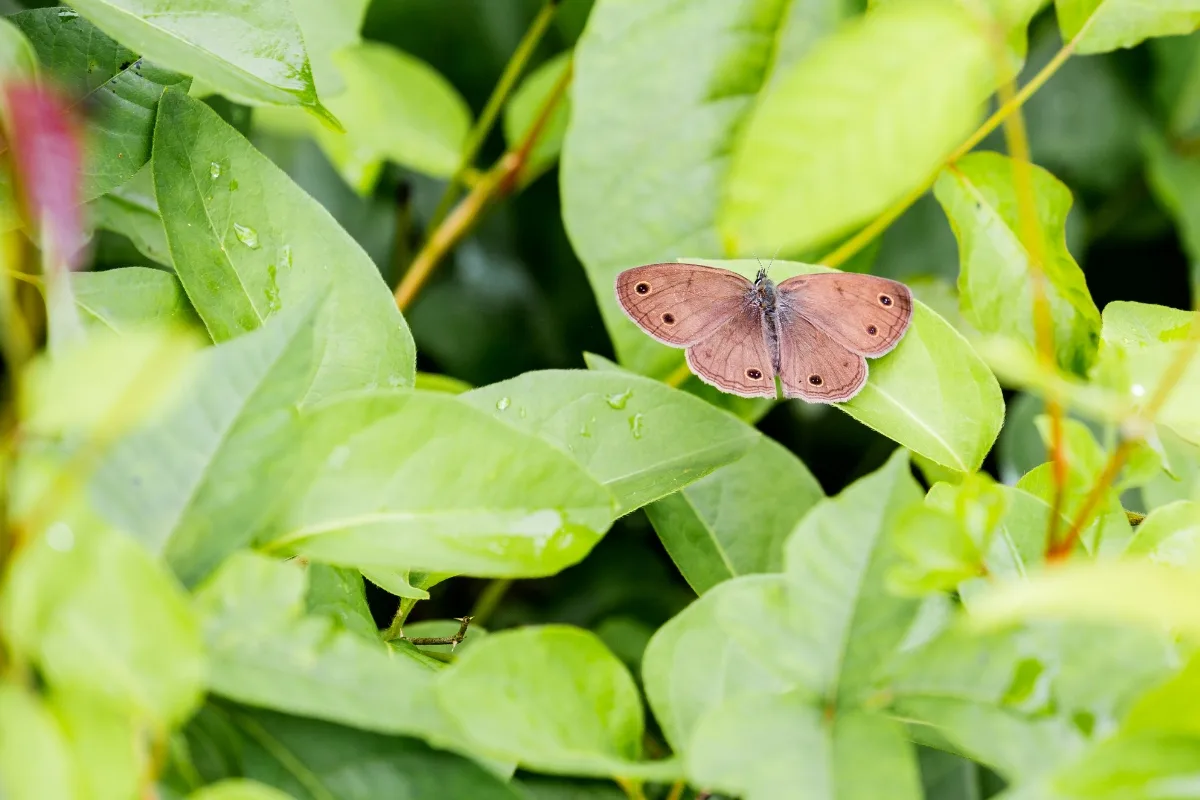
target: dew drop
233 186
214 170
1138 390
521 412
68 14
502 403
273 303
285 255
635 426
246 235
618 401
584 432
395 381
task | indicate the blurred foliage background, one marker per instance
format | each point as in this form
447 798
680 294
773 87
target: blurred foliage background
513 297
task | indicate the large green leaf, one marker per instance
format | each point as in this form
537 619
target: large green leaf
250 50
265 652
1105 25
995 283
419 480
553 699
247 243
130 297
660 93
735 521
867 116
198 483
315 760
340 594
769 745
35 762
1170 534
105 743
105 623
639 438
678 667
327 29
931 394
121 91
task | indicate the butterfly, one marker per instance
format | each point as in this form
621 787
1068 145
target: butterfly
814 331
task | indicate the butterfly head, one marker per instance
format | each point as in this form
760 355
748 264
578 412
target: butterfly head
762 271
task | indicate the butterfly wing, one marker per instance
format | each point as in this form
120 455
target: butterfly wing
735 358
864 313
814 367
681 304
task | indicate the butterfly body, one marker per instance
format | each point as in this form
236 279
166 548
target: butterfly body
813 331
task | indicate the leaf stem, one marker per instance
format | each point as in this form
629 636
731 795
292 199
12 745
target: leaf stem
496 183
453 641
877 226
680 375
632 788
676 792
491 110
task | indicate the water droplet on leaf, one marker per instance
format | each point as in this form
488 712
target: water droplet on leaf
502 403
214 170
233 186
285 255
618 401
636 426
246 235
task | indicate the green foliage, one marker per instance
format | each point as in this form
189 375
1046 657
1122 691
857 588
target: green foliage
233 513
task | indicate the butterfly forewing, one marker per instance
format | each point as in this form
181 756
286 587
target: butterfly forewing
735 358
681 304
864 313
813 367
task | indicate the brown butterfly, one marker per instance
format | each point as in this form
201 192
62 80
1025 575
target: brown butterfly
813 331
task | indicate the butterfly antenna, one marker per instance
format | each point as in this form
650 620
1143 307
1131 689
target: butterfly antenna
772 261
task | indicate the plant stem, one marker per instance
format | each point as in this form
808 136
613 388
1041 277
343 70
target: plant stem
489 599
864 237
676 792
496 183
453 641
491 110
1134 429
680 375
632 788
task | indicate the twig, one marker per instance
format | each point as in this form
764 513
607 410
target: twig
676 792
487 118
453 641
864 237
496 183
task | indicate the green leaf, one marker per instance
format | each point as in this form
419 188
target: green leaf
132 211
247 243
35 763
863 119
1170 535
640 439
519 697
396 581
103 385
837 559
1104 25
526 106
328 28
441 383
198 483
931 394
1136 767
979 195
721 527
130 297
677 668
340 594
106 745
1141 343
1177 83
105 622
645 72
419 480
238 789
1174 179
769 745
315 760
1133 592
937 550
121 90
263 64
946 776
265 652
